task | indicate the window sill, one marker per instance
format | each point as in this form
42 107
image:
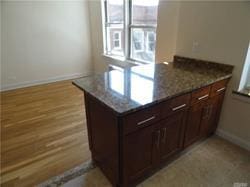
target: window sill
242 95
243 92
124 60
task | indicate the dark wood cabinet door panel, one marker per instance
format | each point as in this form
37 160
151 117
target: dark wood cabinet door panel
195 114
138 151
210 119
172 134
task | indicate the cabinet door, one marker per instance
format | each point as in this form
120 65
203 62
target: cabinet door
211 115
172 133
216 110
140 151
195 115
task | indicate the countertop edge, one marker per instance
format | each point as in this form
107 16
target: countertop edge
154 102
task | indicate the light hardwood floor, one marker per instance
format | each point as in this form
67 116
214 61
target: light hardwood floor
43 133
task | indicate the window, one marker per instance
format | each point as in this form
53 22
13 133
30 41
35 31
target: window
138 38
150 41
117 40
245 77
130 29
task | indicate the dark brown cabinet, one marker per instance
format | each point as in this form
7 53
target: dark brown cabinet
139 152
172 134
204 114
195 115
128 147
147 147
211 115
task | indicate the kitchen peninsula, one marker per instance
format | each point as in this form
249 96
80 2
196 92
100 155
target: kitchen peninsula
139 118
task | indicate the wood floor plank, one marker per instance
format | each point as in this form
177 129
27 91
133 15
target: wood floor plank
43 133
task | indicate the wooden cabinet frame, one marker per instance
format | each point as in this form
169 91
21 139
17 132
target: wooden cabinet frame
128 147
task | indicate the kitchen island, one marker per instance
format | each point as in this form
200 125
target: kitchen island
141 117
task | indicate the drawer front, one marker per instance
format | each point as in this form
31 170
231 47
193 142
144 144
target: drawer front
176 104
141 119
200 95
219 87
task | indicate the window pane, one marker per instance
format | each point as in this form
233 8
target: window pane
115 40
143 44
115 11
144 11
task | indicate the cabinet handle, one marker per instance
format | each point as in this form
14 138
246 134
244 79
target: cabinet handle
164 136
203 97
146 120
158 139
221 89
178 107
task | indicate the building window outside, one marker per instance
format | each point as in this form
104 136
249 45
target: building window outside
136 21
138 39
117 40
150 44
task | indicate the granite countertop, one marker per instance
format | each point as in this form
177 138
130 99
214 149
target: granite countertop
130 89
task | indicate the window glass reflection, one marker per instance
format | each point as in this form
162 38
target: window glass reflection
147 71
141 89
116 80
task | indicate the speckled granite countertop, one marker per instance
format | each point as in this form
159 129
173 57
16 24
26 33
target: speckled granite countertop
130 89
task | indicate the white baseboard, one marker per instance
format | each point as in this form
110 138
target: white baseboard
234 139
38 82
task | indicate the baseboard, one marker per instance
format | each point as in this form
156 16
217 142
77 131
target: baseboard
38 82
234 139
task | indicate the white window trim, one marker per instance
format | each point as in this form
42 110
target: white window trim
119 39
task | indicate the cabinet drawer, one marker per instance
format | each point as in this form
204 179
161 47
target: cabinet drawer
175 104
218 87
141 119
200 94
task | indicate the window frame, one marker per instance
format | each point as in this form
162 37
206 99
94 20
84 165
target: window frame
128 26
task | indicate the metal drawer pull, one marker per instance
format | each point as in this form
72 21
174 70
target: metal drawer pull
221 89
146 120
203 97
178 107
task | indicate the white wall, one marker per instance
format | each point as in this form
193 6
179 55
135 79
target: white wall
167 29
222 32
43 41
